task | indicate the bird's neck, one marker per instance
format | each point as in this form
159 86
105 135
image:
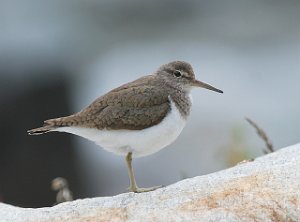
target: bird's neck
183 102
179 95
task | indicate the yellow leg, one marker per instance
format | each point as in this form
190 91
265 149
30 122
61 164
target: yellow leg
133 186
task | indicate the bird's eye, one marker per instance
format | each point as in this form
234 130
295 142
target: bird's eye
177 73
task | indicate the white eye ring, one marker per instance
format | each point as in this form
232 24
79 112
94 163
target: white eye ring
177 73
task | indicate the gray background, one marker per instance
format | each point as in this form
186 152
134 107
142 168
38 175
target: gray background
249 49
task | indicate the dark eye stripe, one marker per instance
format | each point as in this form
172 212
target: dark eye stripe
186 77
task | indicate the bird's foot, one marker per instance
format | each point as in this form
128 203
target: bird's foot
136 189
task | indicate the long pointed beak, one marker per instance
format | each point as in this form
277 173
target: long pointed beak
198 83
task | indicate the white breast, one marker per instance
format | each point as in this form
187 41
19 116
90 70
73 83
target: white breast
139 142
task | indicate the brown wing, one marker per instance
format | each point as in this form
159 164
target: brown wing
136 105
126 117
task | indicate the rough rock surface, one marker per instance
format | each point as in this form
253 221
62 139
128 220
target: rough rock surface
267 189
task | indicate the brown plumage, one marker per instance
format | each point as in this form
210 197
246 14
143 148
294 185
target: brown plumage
136 105
133 106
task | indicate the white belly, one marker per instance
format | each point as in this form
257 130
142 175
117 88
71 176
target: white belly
139 142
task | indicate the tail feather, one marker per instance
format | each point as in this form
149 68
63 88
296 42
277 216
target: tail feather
52 124
41 130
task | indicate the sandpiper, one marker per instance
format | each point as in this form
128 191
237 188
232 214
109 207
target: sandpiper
138 118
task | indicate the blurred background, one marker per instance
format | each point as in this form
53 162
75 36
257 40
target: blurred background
57 56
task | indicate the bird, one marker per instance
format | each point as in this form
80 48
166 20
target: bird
138 118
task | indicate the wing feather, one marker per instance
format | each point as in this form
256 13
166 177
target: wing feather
136 105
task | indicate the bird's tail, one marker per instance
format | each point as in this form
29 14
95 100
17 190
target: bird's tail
51 124
41 130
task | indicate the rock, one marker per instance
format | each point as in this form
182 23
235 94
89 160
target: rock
267 189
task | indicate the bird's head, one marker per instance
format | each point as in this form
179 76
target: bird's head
181 75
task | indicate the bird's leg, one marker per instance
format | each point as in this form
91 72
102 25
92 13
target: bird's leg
133 186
